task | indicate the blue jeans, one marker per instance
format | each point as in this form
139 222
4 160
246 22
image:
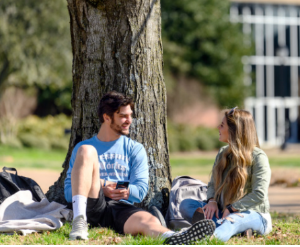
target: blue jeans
224 231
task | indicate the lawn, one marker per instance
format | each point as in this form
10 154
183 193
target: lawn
285 226
196 165
32 158
285 232
182 164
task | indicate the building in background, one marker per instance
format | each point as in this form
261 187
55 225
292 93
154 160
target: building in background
275 30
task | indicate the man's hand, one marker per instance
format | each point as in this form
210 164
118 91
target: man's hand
115 194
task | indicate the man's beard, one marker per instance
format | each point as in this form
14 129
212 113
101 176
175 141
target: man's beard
118 129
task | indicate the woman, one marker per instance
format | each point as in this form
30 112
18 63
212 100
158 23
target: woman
238 190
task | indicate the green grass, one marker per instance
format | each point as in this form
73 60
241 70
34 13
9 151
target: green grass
285 162
32 158
208 162
285 232
285 227
195 166
182 164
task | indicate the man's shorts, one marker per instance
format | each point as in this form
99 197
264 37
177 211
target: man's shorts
105 212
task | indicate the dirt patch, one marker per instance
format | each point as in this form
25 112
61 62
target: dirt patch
287 177
45 178
284 200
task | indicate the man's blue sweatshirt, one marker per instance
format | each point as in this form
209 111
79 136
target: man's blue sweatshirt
119 160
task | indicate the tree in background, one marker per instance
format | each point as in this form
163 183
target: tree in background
35 45
117 46
200 42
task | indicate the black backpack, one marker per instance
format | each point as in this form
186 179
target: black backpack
12 183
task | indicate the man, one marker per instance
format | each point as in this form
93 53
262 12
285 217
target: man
97 164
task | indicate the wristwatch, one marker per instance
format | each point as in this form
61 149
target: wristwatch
229 207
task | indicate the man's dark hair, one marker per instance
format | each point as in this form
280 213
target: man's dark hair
111 103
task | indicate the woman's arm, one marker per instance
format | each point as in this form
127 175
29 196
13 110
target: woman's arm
261 176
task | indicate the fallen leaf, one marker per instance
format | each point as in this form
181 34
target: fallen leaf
117 240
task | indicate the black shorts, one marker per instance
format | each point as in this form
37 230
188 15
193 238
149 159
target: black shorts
105 212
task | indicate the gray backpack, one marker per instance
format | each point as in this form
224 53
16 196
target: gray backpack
183 187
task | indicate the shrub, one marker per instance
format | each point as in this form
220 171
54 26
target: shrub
14 142
30 140
187 138
46 133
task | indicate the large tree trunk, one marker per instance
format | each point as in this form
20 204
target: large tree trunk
117 46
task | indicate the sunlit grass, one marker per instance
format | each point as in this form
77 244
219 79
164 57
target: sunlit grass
183 164
285 227
285 232
32 158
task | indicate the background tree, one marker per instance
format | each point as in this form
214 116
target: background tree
201 42
35 47
117 46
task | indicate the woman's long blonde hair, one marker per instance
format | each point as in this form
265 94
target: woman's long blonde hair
242 139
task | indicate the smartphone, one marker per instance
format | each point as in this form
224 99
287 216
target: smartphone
122 185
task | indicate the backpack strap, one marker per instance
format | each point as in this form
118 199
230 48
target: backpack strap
5 169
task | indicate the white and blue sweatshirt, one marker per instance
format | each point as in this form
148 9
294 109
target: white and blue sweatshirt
119 160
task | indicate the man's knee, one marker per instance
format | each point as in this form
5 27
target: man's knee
144 219
152 220
87 152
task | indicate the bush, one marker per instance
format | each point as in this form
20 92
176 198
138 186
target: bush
30 140
187 138
45 133
205 142
14 142
60 144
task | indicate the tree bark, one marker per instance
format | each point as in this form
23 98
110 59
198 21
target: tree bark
117 46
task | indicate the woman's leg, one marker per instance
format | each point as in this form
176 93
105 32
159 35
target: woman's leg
188 207
239 222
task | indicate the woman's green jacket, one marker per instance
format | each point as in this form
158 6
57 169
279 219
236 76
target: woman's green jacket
256 188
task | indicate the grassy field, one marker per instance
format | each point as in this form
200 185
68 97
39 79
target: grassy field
181 164
285 232
285 227
32 158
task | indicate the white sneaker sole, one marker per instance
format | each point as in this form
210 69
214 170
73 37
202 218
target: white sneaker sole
78 237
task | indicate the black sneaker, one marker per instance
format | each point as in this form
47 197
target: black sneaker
198 231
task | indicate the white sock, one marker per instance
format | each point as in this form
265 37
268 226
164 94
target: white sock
79 206
167 234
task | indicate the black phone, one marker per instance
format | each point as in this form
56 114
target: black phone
122 185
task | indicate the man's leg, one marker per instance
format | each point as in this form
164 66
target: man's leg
85 183
147 224
144 223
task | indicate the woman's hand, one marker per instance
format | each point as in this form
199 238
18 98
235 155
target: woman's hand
225 214
210 209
